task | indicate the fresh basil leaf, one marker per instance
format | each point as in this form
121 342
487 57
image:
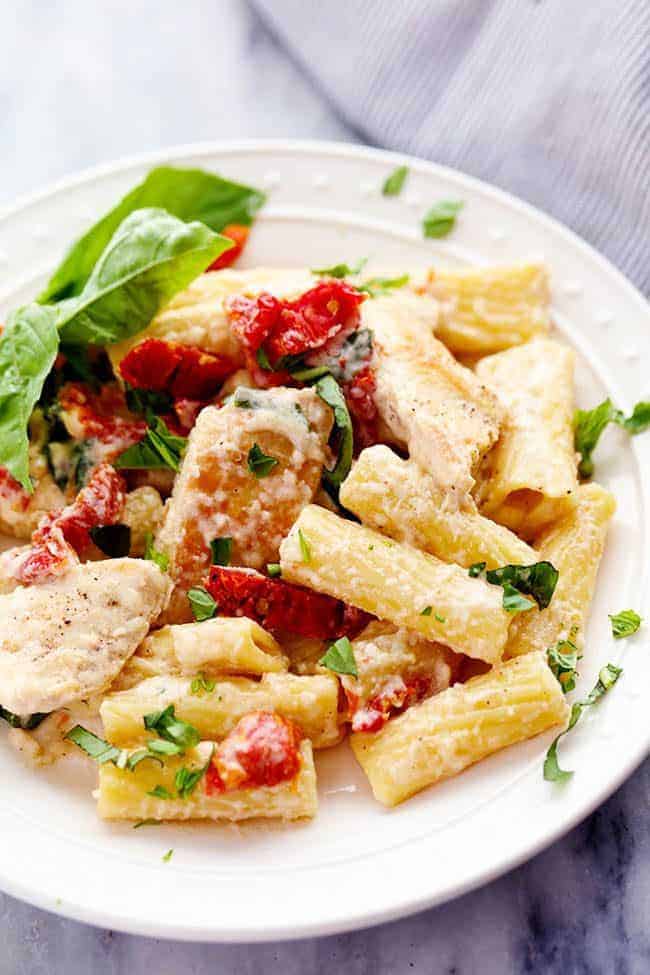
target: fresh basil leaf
203 605
26 722
96 748
153 555
441 218
159 448
145 401
330 392
441 619
112 540
161 747
188 194
166 857
309 374
259 463
262 361
513 601
172 729
274 570
538 580
563 661
305 547
427 611
340 270
376 287
150 258
340 658
607 677
28 347
477 569
394 183
625 623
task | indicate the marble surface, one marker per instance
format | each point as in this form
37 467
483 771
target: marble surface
82 83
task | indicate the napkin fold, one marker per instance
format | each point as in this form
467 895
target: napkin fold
549 99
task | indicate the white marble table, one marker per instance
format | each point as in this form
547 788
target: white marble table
82 83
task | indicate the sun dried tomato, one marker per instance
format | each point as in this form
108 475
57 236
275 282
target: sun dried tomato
48 555
100 416
238 233
261 750
100 502
400 693
294 327
278 605
359 395
183 371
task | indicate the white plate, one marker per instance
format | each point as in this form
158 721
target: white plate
357 863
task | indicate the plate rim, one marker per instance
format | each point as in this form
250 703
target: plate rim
404 905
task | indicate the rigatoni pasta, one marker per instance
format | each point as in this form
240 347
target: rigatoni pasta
395 582
445 734
396 497
530 477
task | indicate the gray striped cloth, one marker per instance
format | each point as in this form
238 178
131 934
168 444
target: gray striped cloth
549 99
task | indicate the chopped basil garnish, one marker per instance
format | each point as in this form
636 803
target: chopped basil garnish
167 856
202 683
310 373
513 601
305 547
340 658
153 555
427 611
329 390
186 780
441 619
26 722
112 540
96 748
159 448
538 580
147 401
340 270
606 680
263 361
259 463
393 184
221 550
203 605
147 822
590 424
441 218
477 569
161 747
274 570
160 792
563 661
376 287
172 729
625 623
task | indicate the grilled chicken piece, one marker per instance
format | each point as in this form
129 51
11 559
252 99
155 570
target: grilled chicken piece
66 639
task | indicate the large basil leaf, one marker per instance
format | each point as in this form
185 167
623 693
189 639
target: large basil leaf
28 347
189 194
151 256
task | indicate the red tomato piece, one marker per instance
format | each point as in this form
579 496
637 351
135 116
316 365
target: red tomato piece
183 371
100 416
360 398
238 233
261 750
11 490
277 605
100 502
399 694
49 555
305 324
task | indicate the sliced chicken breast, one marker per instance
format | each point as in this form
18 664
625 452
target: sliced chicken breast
69 638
